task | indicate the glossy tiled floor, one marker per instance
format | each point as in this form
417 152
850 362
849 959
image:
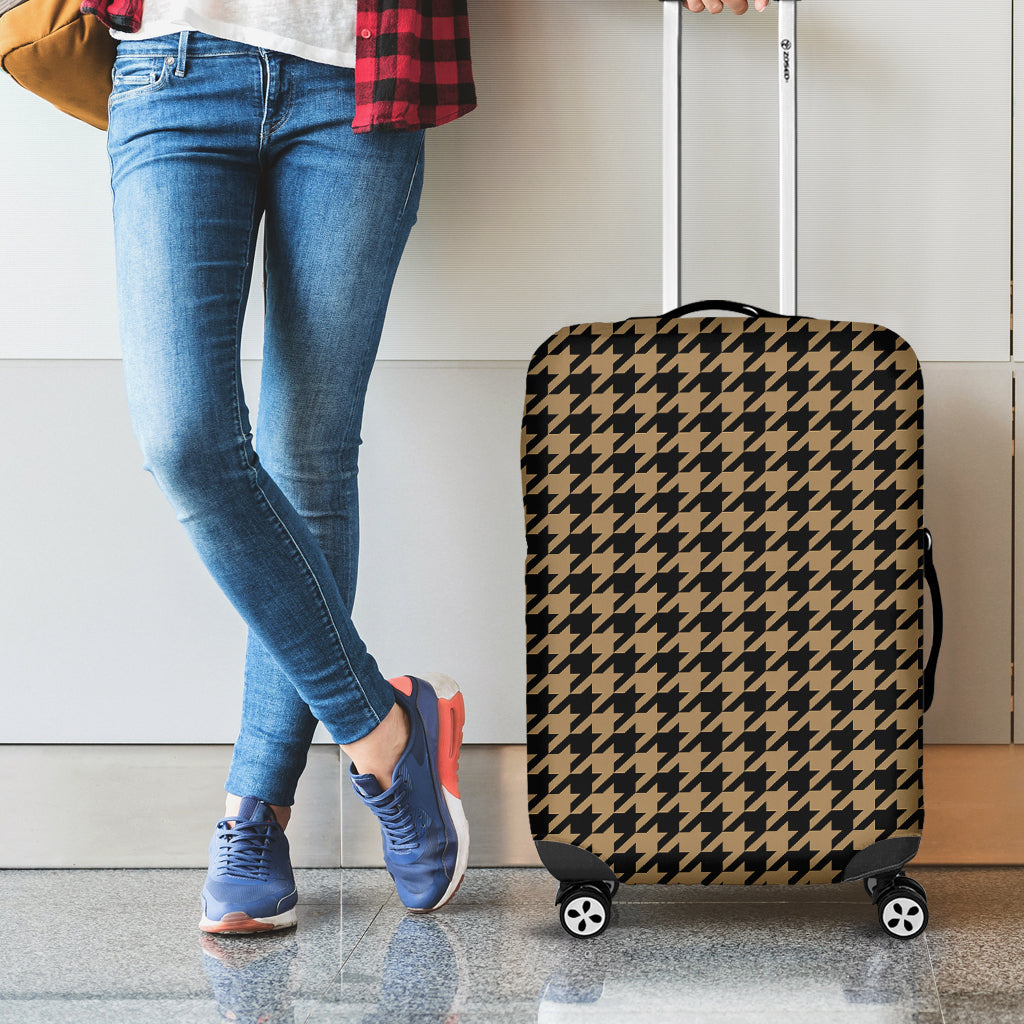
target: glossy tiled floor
122 946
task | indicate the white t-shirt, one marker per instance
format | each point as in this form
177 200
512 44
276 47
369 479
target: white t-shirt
320 30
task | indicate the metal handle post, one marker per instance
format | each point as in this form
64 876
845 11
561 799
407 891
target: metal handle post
787 157
671 114
671 233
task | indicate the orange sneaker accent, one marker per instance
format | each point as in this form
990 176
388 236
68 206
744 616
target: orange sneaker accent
403 683
451 717
237 922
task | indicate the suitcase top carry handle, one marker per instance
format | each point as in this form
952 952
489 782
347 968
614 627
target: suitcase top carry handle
735 307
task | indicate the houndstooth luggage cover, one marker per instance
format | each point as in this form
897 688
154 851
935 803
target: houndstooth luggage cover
724 595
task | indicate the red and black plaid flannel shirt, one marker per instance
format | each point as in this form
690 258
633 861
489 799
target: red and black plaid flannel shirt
413 68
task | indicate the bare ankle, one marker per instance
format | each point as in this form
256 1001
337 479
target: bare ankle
378 752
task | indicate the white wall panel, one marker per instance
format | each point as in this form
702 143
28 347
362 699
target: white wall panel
80 806
541 206
443 543
111 630
904 167
57 283
95 791
967 506
1017 233
57 260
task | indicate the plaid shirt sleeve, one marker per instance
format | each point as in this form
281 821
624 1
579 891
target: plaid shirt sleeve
413 68
123 15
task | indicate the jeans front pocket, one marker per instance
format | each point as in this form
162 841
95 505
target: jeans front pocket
134 74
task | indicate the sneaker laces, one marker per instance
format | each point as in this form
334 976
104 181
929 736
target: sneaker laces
397 822
244 848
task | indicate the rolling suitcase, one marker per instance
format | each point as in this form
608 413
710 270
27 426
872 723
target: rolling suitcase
725 573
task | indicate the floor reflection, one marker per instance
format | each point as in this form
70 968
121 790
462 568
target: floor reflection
251 976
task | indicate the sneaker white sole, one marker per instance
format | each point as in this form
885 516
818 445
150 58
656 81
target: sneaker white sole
446 689
240 923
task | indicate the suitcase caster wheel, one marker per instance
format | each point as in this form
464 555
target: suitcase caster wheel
585 911
903 911
871 885
916 886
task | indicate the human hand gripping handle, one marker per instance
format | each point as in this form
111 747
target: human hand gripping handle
717 6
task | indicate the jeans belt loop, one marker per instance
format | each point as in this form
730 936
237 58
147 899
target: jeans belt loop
179 69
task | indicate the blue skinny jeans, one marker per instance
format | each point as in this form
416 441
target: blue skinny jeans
206 137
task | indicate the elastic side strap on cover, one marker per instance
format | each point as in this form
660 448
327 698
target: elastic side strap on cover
933 587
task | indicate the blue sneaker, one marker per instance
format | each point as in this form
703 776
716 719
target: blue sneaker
249 886
426 836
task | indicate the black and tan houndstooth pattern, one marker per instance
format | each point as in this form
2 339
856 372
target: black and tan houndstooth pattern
724 595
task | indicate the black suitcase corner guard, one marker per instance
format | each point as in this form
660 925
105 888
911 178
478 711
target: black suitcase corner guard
882 858
571 864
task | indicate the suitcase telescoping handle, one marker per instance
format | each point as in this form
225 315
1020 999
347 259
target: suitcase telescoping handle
671 255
